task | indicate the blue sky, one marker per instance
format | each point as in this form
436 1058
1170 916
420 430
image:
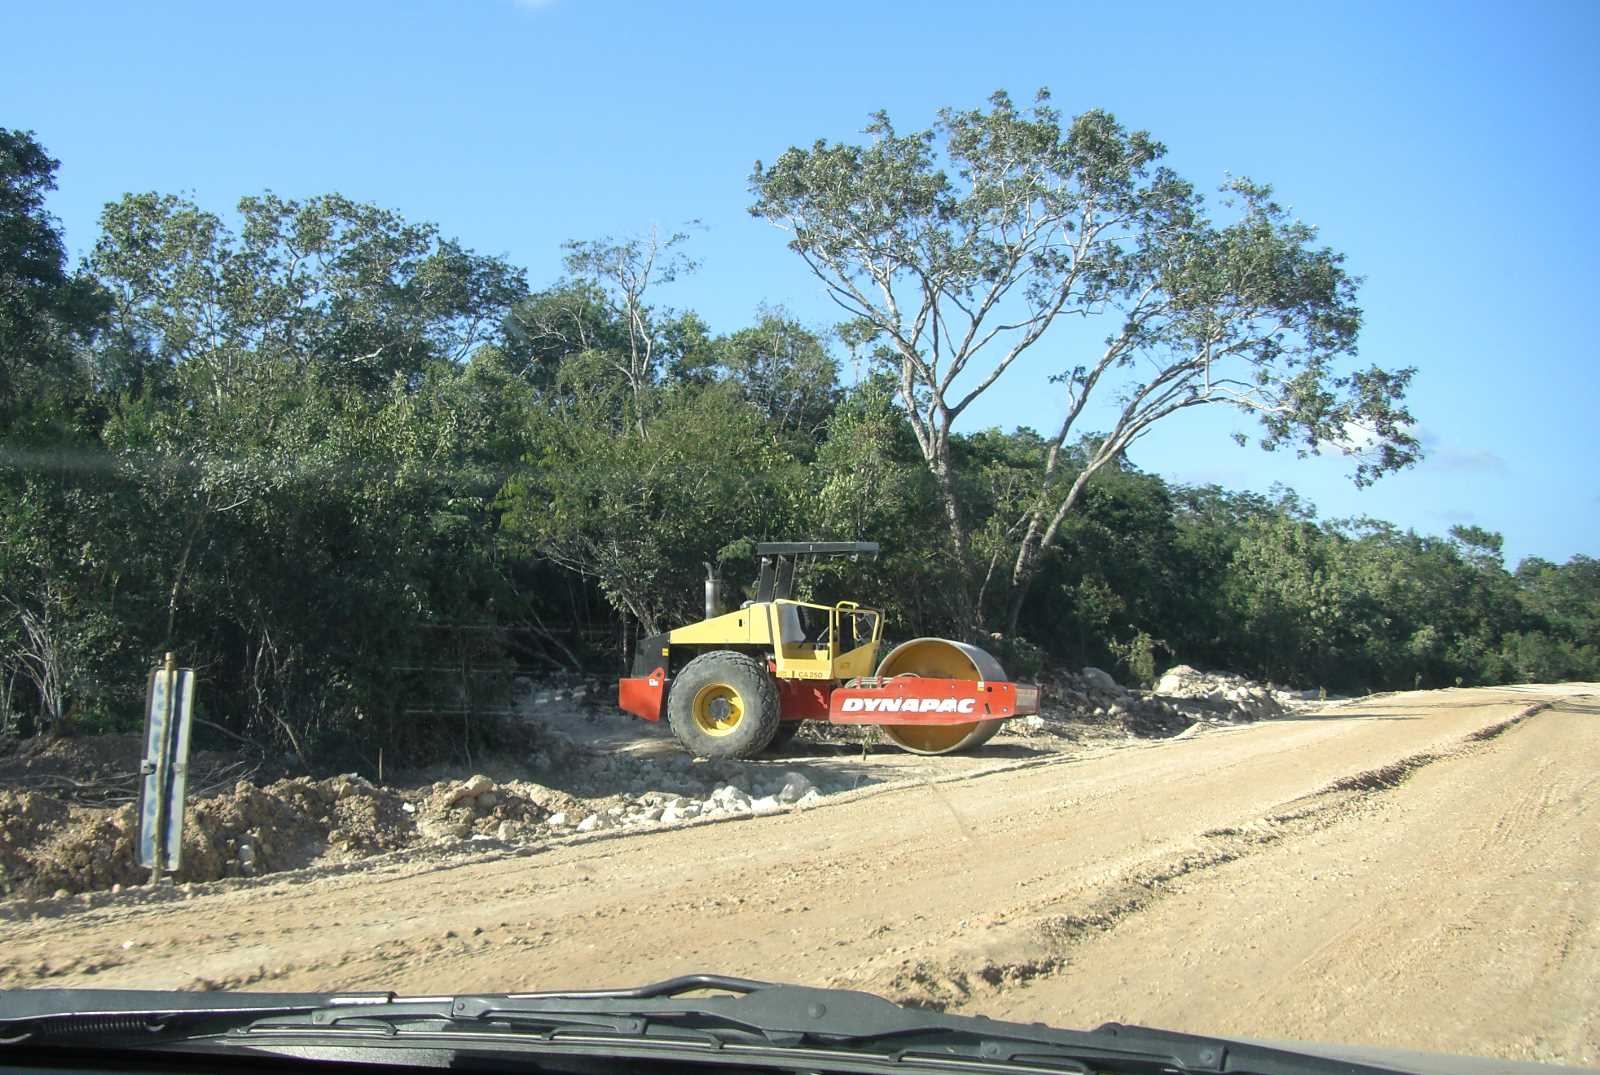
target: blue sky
1449 150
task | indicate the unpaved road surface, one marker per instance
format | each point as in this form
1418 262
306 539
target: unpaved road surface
1418 870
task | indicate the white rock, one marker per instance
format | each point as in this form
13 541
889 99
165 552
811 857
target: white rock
1100 678
794 787
1033 721
809 799
670 815
1179 679
727 795
471 788
590 823
654 813
766 806
409 808
558 819
442 828
507 831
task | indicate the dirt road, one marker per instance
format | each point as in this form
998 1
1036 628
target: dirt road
1419 870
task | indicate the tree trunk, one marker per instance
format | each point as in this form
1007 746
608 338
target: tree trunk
968 615
1018 597
1038 538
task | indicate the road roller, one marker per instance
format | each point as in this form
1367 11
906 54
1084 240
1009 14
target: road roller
741 682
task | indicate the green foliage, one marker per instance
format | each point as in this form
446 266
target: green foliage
955 249
329 457
867 483
1138 656
46 313
638 508
786 372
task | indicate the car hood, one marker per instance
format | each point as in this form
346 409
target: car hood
1412 1062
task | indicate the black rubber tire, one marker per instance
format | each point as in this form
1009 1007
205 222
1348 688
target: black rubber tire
787 730
756 688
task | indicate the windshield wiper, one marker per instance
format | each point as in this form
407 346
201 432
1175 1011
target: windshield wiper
743 1021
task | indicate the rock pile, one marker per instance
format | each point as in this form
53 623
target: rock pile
1183 696
1233 695
750 796
51 848
1094 697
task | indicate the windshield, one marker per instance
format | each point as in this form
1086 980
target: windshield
546 495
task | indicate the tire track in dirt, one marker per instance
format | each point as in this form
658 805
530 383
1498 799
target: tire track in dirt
967 876
1453 911
951 981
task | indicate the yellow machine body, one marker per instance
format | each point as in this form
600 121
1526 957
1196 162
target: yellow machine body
845 648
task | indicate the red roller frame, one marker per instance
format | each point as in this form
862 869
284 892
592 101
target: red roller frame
924 700
899 700
642 695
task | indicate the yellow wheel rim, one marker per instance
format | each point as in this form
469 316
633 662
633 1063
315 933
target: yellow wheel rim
718 709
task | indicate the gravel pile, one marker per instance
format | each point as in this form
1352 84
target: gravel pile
757 797
53 849
1233 695
555 786
1183 697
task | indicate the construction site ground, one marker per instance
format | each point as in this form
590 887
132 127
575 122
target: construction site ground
1416 870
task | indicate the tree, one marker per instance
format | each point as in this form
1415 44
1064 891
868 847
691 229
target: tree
960 246
785 370
550 325
303 446
621 275
1567 597
868 482
350 290
638 509
47 315
253 338
51 622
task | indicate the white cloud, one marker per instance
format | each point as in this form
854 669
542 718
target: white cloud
1451 457
1356 439
1441 454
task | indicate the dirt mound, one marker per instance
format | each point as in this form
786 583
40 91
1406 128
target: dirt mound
26 819
95 849
50 847
480 807
1181 698
289 824
101 770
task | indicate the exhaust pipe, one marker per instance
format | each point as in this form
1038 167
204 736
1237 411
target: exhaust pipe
713 590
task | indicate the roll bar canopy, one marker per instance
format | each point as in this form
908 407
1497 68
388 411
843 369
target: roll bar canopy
776 581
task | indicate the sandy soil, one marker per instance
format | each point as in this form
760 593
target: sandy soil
1417 870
